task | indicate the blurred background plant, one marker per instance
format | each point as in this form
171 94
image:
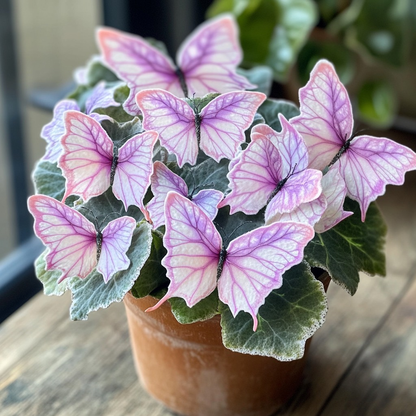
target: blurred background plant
369 42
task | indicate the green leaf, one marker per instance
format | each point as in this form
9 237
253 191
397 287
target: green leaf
198 103
106 207
334 51
219 7
328 8
48 180
382 30
207 174
237 224
271 31
271 108
351 247
91 293
377 103
79 94
159 45
260 75
117 112
297 18
153 274
256 29
97 72
121 93
203 310
49 278
121 132
289 316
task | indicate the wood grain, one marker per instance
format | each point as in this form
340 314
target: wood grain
382 381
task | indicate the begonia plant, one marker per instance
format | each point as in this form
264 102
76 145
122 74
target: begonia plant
185 182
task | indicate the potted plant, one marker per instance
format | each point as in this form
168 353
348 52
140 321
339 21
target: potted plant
216 213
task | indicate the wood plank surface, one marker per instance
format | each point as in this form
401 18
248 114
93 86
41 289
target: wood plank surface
362 361
382 381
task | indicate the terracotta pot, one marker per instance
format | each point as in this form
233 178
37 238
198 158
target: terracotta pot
188 369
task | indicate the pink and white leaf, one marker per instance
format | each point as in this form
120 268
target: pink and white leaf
137 63
173 119
163 180
87 156
254 177
193 245
307 213
116 241
334 192
101 97
224 120
208 200
370 164
255 264
70 238
290 143
134 169
325 121
209 57
301 187
53 131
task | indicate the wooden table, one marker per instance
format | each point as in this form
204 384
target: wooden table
362 361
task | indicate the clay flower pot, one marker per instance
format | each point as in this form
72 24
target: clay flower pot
187 368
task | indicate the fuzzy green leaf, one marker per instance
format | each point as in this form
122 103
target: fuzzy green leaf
91 293
48 180
121 92
208 174
287 319
97 72
261 75
351 247
198 103
121 132
203 310
153 274
238 223
49 278
271 108
106 207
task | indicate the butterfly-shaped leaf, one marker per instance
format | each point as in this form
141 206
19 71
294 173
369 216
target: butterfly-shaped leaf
307 213
90 164
334 192
163 181
52 132
218 129
366 163
206 62
75 247
272 170
93 293
100 97
248 270
324 212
